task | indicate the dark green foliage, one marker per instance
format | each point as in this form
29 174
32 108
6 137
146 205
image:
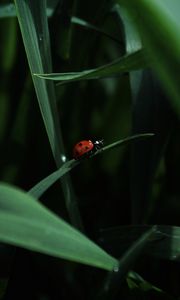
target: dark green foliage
125 201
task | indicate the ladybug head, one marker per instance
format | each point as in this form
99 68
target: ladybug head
99 144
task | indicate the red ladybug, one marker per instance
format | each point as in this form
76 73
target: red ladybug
86 148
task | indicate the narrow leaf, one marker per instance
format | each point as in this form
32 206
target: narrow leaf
126 262
126 63
159 25
87 25
33 24
166 243
34 28
9 10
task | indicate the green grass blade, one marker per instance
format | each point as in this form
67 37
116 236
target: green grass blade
159 25
46 183
26 223
169 243
126 262
135 250
127 140
87 25
138 178
9 10
126 63
137 283
132 38
165 245
42 186
34 28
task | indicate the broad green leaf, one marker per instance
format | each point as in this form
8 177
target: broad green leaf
159 25
133 61
46 183
26 223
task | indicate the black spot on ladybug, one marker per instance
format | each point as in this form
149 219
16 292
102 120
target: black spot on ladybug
87 147
80 144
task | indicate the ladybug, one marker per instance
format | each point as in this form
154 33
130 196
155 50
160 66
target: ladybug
86 148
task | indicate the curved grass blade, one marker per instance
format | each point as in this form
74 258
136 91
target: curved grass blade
152 114
26 223
159 25
131 255
46 183
33 24
87 25
126 263
133 61
126 141
132 38
34 28
132 44
136 282
39 189
164 245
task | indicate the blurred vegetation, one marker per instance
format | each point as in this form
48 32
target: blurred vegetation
136 184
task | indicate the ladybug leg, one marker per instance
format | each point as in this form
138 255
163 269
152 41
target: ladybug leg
90 153
87 155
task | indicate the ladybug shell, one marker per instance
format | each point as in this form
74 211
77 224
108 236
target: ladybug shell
82 148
